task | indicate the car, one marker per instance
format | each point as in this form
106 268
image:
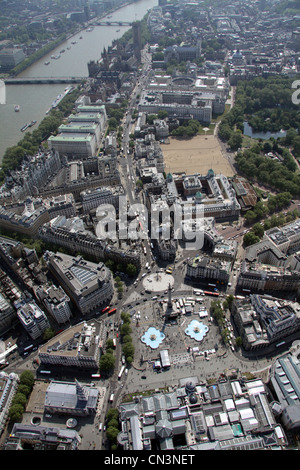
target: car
143 377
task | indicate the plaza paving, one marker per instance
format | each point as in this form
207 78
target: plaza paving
158 282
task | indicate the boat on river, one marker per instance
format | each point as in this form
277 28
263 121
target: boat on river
28 124
23 128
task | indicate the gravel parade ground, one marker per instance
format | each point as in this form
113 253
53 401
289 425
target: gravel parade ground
195 155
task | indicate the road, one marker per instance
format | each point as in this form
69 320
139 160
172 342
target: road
135 296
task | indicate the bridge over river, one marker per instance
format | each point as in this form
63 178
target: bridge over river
42 80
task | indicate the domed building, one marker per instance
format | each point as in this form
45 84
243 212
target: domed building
237 58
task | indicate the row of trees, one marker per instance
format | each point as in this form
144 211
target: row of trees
20 399
112 427
31 141
274 203
107 360
127 344
217 310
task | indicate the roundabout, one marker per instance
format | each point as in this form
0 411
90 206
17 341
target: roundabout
157 282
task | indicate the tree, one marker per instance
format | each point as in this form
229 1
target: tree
107 362
109 343
131 270
128 349
15 412
48 334
113 422
125 317
250 239
296 147
20 399
24 389
125 329
162 114
112 433
112 413
27 378
258 230
236 140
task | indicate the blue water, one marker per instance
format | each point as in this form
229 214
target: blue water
261 135
153 337
196 330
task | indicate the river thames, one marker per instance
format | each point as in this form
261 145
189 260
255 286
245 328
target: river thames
35 100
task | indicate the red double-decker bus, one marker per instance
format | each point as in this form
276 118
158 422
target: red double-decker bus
105 309
113 310
215 294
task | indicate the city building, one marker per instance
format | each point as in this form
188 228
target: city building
93 198
30 178
263 320
71 398
71 234
10 57
56 302
8 316
207 269
267 268
286 238
32 318
42 438
72 145
79 346
229 414
8 388
88 285
285 385
25 217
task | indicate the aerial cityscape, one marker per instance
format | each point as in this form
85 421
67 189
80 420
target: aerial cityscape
149 227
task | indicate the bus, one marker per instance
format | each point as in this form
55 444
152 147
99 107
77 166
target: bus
95 376
215 294
111 398
114 343
180 302
113 310
105 309
145 251
121 372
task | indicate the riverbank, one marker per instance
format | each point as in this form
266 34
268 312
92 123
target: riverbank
39 54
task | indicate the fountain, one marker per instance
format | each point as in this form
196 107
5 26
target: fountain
153 337
196 330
